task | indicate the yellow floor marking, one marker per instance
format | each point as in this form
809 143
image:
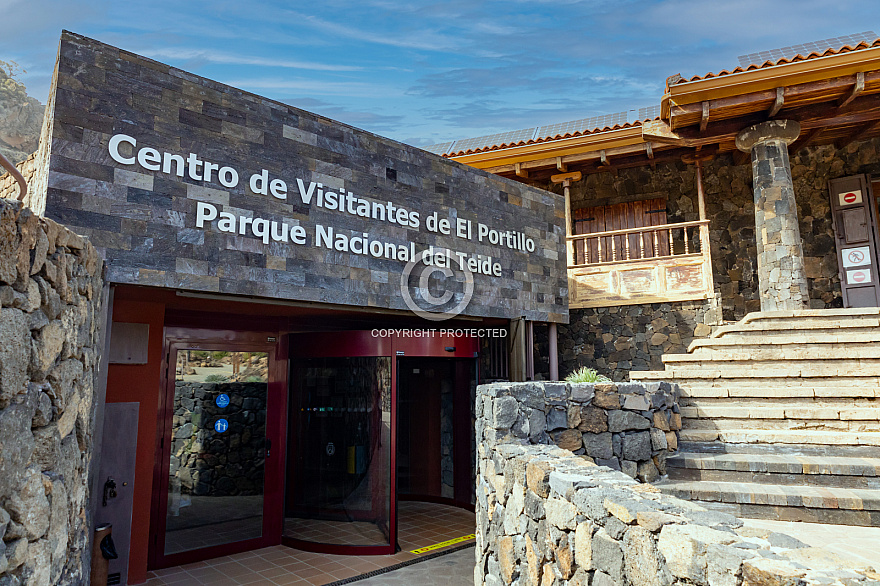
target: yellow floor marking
443 544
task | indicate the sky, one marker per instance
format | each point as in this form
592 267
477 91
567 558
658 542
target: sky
425 72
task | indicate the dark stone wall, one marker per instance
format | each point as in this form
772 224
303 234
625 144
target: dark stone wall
143 222
207 463
615 340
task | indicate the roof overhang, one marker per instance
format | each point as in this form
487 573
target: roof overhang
768 78
609 139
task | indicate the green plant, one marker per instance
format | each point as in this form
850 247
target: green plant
586 375
215 378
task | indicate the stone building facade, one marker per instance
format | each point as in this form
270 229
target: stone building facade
615 340
52 306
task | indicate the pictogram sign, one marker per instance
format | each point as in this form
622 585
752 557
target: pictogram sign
858 276
849 198
855 257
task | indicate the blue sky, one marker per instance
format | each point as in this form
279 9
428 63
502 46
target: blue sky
426 72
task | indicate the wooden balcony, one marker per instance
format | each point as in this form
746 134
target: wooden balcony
654 264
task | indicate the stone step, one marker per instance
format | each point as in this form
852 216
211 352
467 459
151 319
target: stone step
749 389
763 338
749 410
770 401
845 506
765 450
780 436
867 373
731 424
830 318
773 353
783 469
773 327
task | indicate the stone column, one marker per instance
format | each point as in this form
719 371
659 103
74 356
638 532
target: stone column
781 278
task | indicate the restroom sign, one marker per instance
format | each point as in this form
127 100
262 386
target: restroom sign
849 198
855 257
858 277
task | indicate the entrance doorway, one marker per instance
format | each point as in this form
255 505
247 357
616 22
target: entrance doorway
218 423
434 448
365 427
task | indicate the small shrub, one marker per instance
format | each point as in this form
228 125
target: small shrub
215 378
586 375
254 379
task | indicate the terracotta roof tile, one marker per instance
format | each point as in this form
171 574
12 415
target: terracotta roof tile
536 137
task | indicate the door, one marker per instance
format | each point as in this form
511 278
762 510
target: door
218 482
622 216
343 444
854 216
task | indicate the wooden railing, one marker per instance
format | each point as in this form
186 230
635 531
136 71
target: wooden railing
640 265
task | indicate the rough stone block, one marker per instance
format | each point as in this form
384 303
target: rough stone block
619 420
637 446
504 412
593 420
684 547
608 555
598 445
641 559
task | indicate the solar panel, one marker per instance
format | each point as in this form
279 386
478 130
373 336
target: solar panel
439 149
493 139
648 113
806 48
582 125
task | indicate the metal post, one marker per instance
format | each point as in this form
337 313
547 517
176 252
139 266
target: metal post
554 353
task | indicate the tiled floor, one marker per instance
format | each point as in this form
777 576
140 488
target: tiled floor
421 525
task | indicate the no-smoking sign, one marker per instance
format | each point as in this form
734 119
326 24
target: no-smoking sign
848 198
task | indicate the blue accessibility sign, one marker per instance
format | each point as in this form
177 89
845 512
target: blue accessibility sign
222 400
221 425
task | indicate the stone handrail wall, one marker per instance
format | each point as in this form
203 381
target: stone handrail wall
51 329
549 517
626 426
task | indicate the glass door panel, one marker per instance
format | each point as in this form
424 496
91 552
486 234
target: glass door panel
339 479
216 466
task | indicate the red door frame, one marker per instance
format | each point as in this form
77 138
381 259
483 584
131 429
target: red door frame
189 338
364 343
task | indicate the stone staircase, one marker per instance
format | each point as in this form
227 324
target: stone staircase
781 417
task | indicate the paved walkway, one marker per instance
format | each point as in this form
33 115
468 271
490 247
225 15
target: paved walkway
452 569
847 541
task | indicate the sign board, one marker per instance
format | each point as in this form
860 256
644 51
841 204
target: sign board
858 277
188 184
848 198
855 228
856 257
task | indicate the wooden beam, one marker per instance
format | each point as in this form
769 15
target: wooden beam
858 134
570 160
650 152
741 158
823 115
562 167
831 87
704 117
603 160
777 103
574 176
857 89
520 172
805 139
